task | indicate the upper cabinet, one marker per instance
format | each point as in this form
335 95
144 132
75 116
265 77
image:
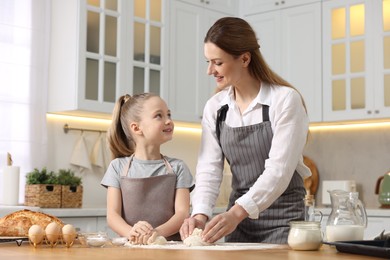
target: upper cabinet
356 53
248 7
102 49
223 6
290 42
189 84
336 53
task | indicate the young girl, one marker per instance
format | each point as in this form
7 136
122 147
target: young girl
147 193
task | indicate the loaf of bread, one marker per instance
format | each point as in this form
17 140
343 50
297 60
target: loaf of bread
19 222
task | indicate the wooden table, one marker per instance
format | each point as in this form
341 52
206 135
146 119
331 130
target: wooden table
42 252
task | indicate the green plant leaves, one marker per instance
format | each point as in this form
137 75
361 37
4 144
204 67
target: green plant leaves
63 177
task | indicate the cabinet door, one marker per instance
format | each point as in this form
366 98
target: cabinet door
290 41
356 67
382 57
149 48
347 90
268 30
375 225
103 49
189 83
99 41
301 54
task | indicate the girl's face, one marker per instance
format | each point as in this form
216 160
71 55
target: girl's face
226 69
156 124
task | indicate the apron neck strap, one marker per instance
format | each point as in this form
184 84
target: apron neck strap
167 165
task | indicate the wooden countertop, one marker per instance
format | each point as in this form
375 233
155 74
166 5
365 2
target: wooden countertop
42 252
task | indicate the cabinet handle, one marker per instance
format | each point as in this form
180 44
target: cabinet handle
276 3
207 2
376 111
282 2
369 112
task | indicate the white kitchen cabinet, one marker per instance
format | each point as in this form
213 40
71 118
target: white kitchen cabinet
224 6
375 226
290 42
356 55
189 84
248 7
100 50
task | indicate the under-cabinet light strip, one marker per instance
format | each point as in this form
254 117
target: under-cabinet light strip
196 128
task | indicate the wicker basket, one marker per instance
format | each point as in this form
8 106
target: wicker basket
72 196
43 195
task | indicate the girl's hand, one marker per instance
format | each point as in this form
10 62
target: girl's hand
140 229
141 239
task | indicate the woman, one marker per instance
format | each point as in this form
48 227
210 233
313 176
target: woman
148 193
258 122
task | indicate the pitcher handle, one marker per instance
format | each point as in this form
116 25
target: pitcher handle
363 212
317 213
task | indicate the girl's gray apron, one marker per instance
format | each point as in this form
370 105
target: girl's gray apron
246 149
150 199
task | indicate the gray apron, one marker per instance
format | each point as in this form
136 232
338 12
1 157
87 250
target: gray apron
150 199
246 149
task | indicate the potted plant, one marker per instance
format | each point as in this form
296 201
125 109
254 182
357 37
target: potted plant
71 189
42 189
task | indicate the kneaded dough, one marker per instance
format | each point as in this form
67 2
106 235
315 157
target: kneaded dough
156 240
195 239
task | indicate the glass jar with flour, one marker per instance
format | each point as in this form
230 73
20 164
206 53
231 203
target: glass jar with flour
305 235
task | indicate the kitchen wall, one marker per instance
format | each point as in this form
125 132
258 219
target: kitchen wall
358 153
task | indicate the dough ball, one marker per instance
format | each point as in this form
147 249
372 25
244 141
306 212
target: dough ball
160 240
195 239
156 239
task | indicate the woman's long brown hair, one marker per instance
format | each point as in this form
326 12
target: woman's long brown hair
235 36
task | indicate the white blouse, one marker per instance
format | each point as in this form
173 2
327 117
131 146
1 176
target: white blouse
290 125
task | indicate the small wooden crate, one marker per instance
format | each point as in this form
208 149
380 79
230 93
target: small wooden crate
72 196
43 195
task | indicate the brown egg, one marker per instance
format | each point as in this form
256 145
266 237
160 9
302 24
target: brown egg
53 232
36 234
68 234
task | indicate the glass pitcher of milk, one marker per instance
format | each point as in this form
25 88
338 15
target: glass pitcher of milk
348 217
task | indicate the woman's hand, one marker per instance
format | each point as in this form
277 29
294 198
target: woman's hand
141 231
223 224
189 224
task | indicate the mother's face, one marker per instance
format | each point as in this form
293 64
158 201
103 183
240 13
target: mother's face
226 69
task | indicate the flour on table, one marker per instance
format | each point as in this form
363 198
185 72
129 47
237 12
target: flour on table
195 239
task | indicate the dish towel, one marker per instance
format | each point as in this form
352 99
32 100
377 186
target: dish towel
100 156
80 156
